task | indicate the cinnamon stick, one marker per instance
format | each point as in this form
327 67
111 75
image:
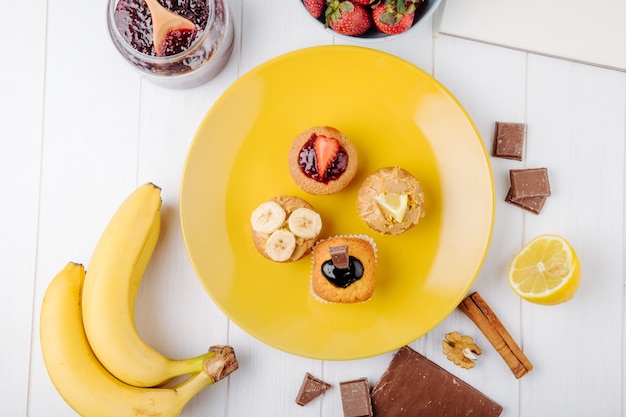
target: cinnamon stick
476 308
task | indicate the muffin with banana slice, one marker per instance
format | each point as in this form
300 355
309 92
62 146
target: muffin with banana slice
285 228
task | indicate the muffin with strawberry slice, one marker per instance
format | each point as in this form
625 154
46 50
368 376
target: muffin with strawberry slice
322 160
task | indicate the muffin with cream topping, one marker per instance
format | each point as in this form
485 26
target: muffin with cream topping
391 201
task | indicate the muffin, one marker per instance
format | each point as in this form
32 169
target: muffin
322 160
391 201
344 269
285 228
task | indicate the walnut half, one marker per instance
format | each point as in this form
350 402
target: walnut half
460 349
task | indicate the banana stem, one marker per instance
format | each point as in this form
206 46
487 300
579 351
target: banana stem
190 365
220 363
187 389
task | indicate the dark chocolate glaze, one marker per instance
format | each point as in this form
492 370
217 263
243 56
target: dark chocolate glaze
342 278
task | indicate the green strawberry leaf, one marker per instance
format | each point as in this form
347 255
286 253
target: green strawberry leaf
401 7
389 18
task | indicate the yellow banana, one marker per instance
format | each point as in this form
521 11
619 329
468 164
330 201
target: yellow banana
85 384
113 276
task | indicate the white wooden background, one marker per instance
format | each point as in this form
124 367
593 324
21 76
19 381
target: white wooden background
79 130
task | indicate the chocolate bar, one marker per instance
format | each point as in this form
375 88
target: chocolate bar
529 182
530 188
310 389
355 398
508 141
532 204
414 386
340 256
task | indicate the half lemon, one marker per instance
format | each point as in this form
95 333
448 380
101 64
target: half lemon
545 271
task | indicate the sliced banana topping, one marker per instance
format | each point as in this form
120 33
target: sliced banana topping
280 245
267 217
305 223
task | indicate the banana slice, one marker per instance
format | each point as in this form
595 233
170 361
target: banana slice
280 245
267 217
305 223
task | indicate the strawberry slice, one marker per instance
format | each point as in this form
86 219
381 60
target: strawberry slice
326 150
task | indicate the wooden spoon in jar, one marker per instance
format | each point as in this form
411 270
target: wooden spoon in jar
164 22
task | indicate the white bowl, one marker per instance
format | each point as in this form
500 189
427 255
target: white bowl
423 13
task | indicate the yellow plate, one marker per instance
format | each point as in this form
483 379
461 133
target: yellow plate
395 114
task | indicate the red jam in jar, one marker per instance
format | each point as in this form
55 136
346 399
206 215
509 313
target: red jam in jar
189 57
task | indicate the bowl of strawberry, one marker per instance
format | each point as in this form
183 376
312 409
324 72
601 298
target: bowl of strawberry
369 20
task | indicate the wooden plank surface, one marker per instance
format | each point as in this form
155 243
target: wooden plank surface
559 28
79 132
21 118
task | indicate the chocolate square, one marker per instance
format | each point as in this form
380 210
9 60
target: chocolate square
310 389
529 182
414 386
340 256
355 398
508 140
532 204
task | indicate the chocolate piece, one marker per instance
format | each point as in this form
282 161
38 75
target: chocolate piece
532 204
414 386
310 389
355 398
508 141
340 256
530 182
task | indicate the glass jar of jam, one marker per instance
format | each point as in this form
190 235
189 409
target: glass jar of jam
190 58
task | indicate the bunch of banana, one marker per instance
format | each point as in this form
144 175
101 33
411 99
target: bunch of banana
91 349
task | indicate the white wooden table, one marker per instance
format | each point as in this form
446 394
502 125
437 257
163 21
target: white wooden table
79 130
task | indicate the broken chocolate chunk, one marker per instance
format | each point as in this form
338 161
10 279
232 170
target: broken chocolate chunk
508 141
355 398
310 389
529 182
532 204
414 386
340 256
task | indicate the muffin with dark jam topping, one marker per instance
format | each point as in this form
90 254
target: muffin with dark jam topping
322 160
344 269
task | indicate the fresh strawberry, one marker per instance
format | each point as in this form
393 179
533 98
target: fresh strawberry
347 18
315 7
326 150
394 16
363 2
